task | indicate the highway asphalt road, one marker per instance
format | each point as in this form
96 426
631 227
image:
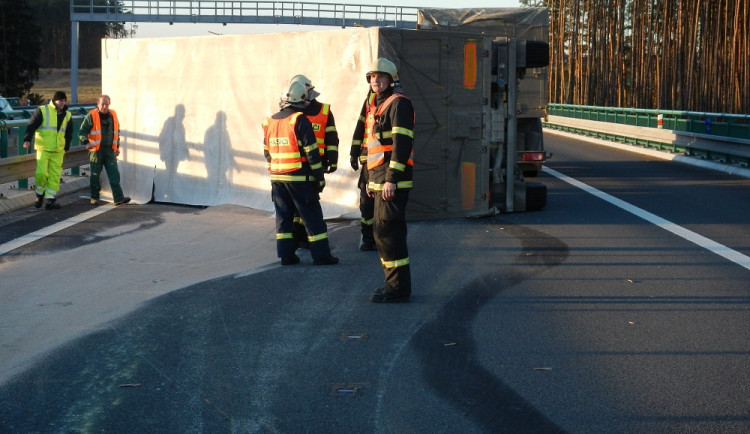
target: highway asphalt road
622 307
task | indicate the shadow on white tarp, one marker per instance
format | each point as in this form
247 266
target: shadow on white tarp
191 111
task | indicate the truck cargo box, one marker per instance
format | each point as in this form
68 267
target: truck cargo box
191 111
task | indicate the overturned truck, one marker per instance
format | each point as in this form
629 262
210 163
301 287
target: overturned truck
478 82
191 109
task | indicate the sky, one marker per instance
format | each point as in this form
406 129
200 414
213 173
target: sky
157 30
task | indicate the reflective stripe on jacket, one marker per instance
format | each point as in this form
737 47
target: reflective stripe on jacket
369 125
282 145
49 135
95 135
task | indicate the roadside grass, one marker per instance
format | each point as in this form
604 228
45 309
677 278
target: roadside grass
54 79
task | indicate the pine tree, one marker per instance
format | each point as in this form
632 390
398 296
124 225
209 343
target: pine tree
19 47
54 20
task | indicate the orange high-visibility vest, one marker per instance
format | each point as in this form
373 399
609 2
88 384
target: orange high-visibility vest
369 119
319 122
282 144
95 135
380 143
369 122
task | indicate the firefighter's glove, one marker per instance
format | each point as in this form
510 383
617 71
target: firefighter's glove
321 185
331 168
354 161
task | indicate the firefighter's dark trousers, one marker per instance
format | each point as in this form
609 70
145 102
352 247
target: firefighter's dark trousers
366 208
302 197
300 233
390 236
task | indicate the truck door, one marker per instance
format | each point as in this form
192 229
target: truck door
444 74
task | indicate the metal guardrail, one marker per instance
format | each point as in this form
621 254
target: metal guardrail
22 166
13 101
252 12
717 124
725 149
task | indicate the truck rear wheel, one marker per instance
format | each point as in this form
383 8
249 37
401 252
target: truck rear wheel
536 196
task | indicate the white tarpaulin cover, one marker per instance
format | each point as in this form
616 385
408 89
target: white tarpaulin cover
191 111
528 23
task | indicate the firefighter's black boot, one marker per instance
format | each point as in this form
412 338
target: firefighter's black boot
39 201
326 260
387 295
290 260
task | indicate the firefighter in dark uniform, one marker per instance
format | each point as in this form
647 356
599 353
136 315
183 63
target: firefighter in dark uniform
357 158
324 127
297 178
390 162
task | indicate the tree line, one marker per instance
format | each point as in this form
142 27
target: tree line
654 54
37 34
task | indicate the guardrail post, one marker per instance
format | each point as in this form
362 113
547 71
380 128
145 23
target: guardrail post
76 171
23 184
3 143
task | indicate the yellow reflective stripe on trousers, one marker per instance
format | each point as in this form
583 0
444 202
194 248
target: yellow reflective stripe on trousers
318 237
284 236
394 264
292 178
366 222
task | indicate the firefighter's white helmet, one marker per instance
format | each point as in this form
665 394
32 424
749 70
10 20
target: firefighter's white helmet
385 66
294 95
311 93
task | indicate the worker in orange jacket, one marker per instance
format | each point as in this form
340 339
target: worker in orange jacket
100 132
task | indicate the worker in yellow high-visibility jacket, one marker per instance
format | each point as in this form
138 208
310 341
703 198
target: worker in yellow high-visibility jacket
52 130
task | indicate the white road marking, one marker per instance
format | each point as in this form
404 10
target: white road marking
49 230
708 244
